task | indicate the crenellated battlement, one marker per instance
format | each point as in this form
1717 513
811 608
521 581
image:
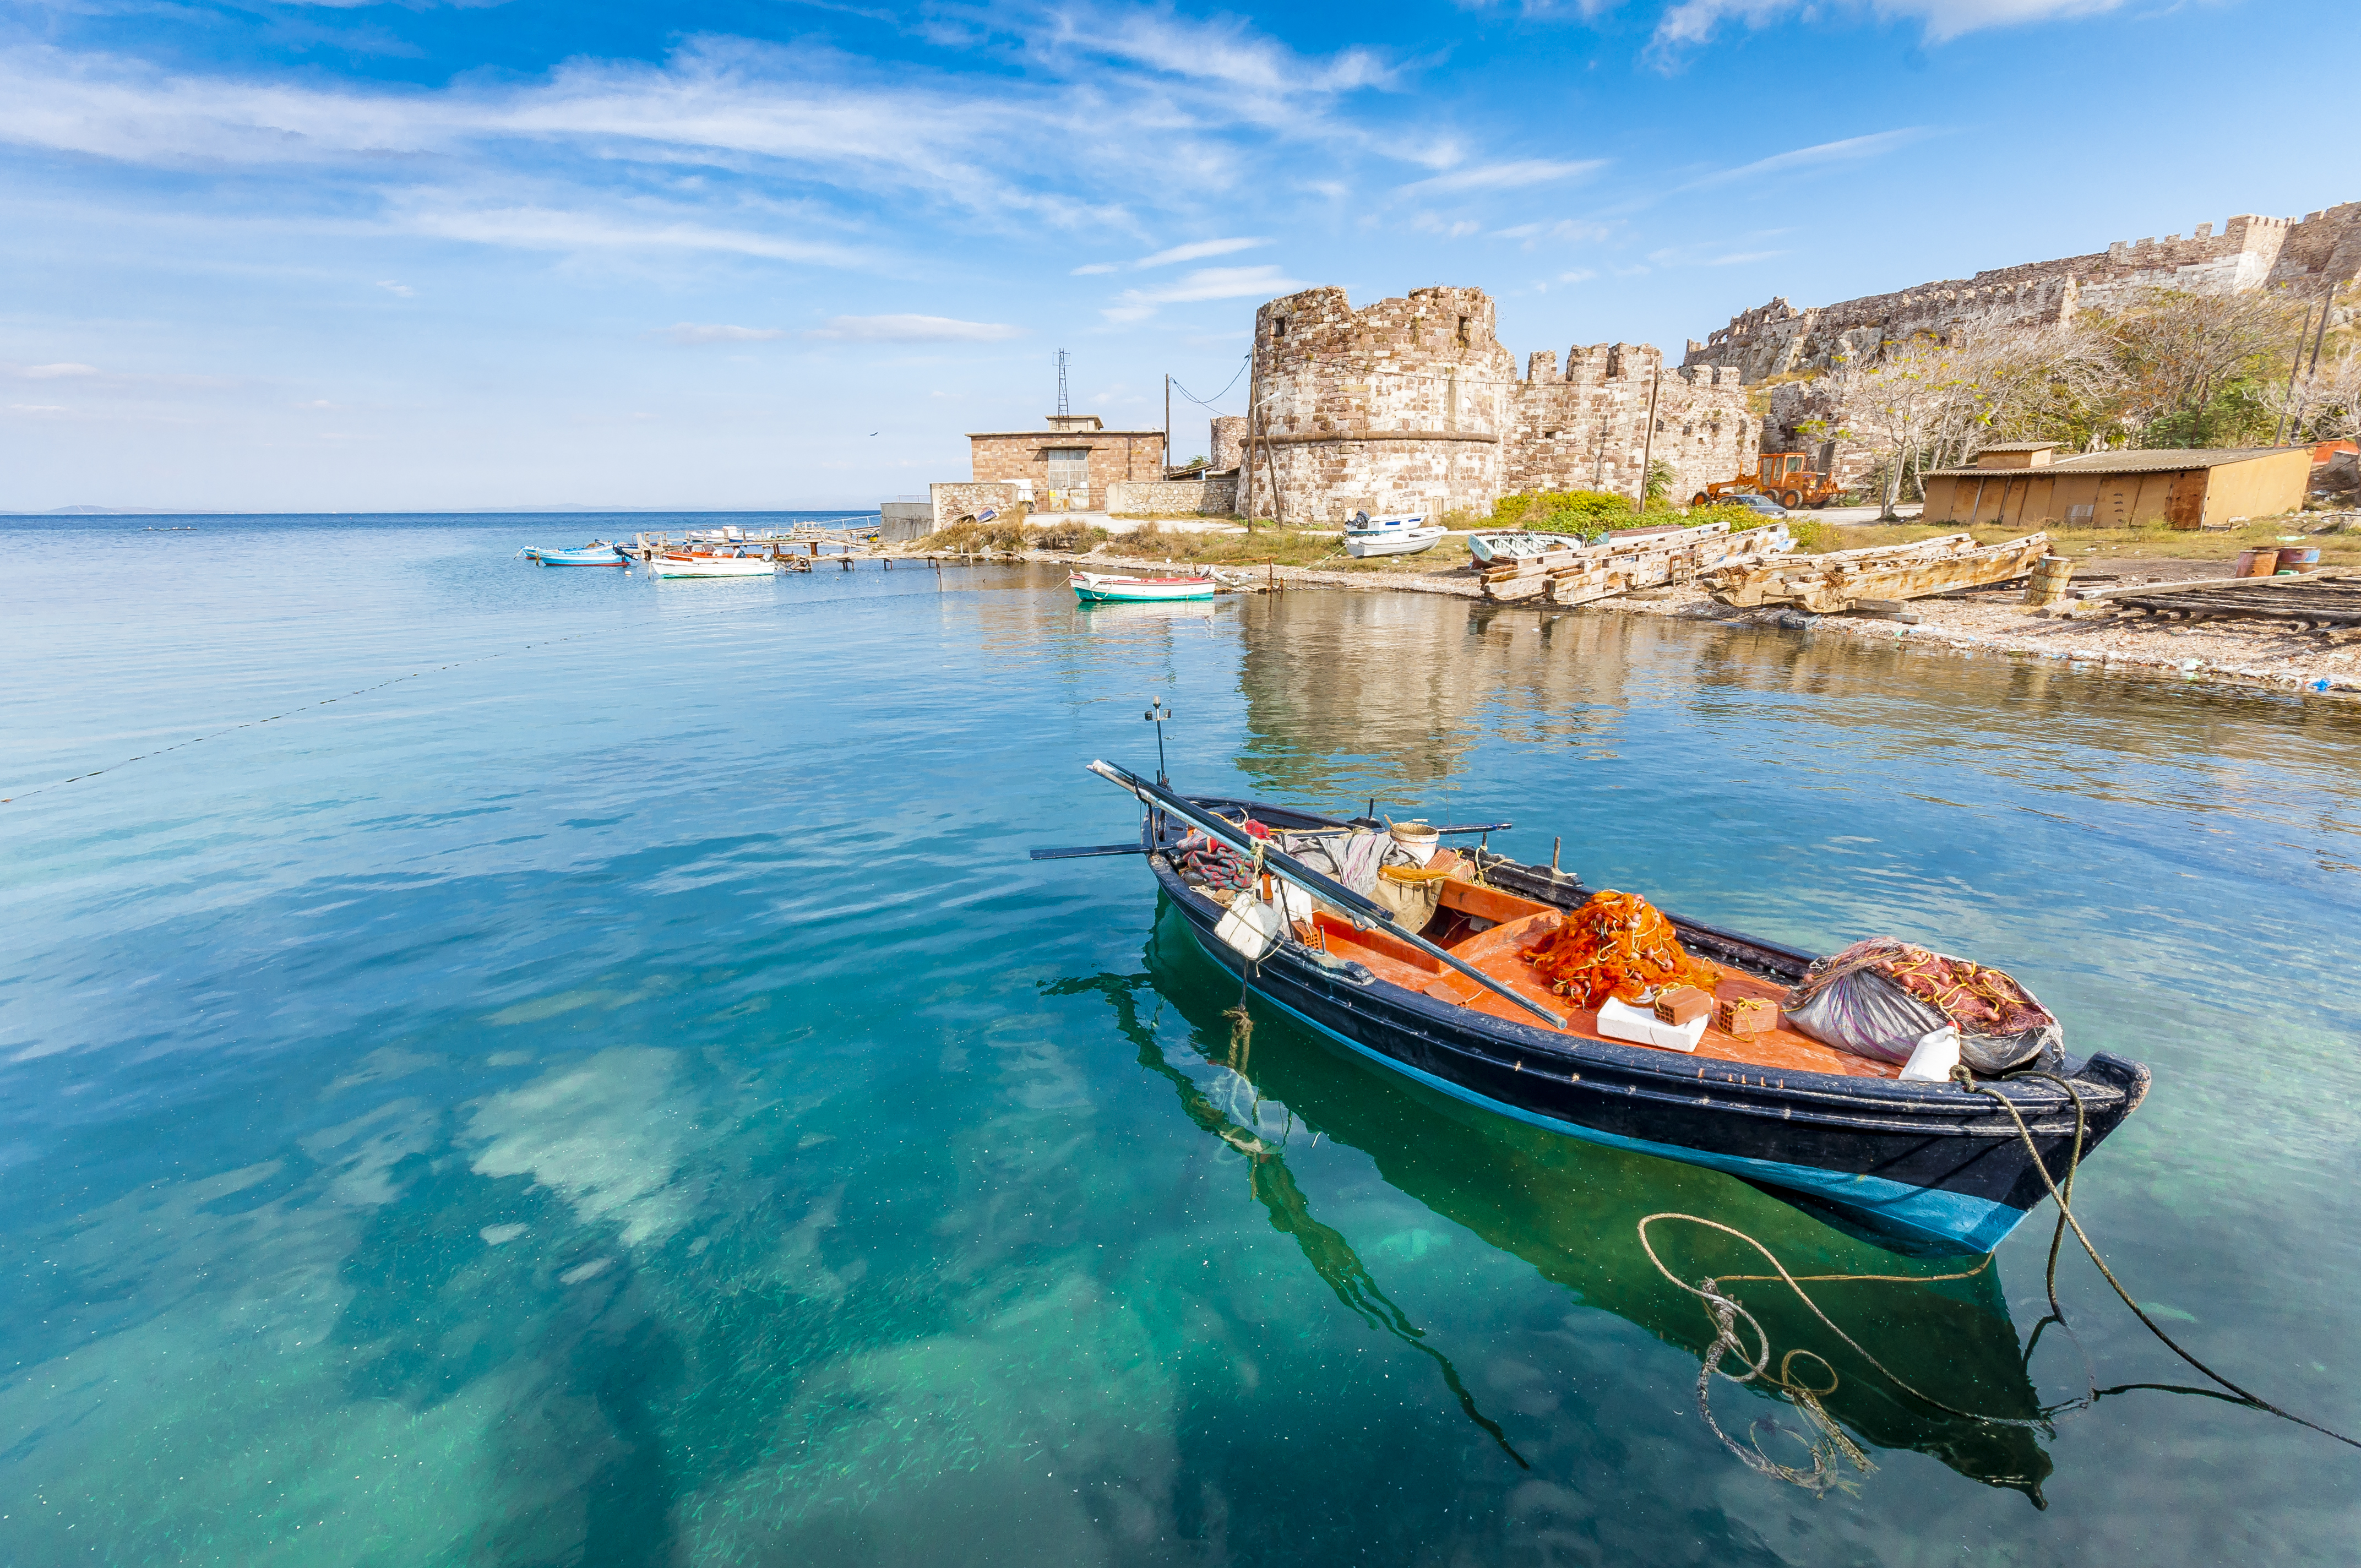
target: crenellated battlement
2319 249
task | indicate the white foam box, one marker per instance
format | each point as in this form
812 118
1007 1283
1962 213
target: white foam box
1621 1021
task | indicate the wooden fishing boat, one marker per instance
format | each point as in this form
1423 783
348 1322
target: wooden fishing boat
692 563
599 555
1932 1162
1093 588
1882 574
1366 535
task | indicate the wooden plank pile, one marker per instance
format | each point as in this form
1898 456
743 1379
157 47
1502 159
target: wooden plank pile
2325 603
1833 584
1583 573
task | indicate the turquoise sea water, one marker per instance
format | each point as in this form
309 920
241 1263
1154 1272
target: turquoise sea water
556 1067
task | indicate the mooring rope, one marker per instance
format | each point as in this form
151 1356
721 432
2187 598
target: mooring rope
2066 1212
1832 1442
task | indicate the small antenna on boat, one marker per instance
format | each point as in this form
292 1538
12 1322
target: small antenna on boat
1158 710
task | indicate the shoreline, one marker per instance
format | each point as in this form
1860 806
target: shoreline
2255 655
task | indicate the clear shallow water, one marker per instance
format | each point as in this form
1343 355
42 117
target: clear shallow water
594 1079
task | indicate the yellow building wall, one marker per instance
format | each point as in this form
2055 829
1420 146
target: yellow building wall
2260 486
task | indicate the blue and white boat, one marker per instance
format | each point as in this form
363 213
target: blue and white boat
600 555
1366 535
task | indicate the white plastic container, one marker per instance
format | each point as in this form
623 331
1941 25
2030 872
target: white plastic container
1937 1054
1621 1021
1251 926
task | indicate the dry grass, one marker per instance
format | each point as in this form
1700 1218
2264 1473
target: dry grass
2107 543
1283 546
975 538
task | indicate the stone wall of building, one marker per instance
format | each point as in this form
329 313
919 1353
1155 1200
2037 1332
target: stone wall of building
1229 436
956 503
1022 457
1209 495
1412 405
2307 255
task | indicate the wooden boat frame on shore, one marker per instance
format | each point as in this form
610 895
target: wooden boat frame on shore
1583 573
1833 584
1932 1162
1097 587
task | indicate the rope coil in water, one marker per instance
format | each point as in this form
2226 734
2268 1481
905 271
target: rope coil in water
1830 1443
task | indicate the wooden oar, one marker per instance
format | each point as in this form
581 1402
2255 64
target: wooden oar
1077 851
1280 863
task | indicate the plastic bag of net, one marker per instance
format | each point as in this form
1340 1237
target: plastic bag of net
1881 997
1617 944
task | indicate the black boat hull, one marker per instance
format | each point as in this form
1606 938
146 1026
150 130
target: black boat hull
1930 1162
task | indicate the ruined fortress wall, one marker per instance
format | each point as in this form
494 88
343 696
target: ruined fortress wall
1412 405
2317 251
1587 429
1395 407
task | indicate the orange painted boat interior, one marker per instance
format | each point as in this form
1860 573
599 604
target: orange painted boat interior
1499 952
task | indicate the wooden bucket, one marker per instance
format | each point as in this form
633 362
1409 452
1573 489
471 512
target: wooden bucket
2046 583
2256 563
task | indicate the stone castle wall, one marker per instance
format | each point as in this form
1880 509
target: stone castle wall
2308 255
1412 405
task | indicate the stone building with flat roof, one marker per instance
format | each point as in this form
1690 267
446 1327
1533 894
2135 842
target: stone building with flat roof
1068 465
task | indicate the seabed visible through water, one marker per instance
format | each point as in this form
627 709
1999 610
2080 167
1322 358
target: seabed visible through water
553 1067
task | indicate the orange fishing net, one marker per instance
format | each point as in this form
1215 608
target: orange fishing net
1981 1001
1618 945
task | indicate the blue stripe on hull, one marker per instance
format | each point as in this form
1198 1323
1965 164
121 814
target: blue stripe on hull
1976 1223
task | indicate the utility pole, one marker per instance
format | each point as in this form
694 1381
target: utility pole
1648 450
1168 422
1062 410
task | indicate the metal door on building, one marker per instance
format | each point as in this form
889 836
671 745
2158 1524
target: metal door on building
1069 478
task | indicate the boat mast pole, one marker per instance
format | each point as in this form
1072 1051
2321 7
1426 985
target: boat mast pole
1281 864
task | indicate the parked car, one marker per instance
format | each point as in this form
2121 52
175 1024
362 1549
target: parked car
1748 499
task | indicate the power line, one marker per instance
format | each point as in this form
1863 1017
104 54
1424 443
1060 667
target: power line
1217 395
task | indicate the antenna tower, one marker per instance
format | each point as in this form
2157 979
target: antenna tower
1062 410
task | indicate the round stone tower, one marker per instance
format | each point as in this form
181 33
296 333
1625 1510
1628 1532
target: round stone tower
1396 408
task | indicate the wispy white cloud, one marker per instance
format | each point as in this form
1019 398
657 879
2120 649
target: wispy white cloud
1851 149
53 372
912 329
1094 269
1205 283
401 291
1693 22
1432 223
690 333
1199 250
1512 176
544 228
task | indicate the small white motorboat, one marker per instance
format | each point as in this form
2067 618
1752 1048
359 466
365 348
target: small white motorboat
1093 588
599 555
1366 535
696 563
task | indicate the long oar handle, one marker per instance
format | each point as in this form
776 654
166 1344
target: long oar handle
1285 865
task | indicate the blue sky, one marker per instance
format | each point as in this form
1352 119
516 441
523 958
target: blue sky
287 257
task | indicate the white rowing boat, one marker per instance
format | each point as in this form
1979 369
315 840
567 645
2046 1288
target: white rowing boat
1366 535
680 564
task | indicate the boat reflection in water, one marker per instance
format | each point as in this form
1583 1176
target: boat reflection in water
1572 1210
